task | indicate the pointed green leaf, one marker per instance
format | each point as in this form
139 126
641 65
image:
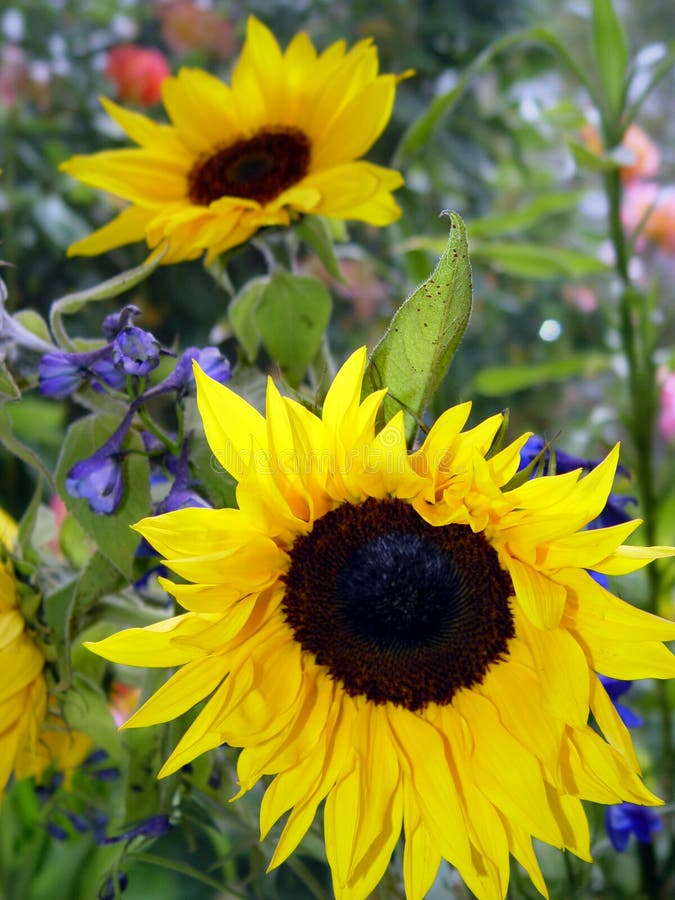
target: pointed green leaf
32 321
112 533
519 219
241 313
417 348
316 232
586 159
19 449
611 53
292 316
8 387
499 381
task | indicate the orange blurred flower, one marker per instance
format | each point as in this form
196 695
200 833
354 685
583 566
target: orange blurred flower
187 26
645 153
659 226
137 73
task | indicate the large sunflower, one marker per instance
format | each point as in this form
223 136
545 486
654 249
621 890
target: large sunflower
397 635
32 739
285 139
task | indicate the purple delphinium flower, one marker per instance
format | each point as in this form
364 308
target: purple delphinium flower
99 478
115 322
182 378
181 495
105 373
61 374
153 827
135 351
614 512
616 688
624 819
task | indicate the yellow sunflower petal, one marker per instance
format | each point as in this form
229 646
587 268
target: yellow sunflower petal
126 228
229 423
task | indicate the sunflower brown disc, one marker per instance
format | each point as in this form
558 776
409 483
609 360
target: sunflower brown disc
259 168
398 610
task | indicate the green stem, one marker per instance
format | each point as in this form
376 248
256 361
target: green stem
637 345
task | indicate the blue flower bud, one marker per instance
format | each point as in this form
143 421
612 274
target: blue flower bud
115 322
135 351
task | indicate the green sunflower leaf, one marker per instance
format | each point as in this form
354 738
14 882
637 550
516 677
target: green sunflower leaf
241 313
112 533
315 231
414 354
292 316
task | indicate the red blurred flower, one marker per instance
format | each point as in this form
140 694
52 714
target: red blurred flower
137 73
187 26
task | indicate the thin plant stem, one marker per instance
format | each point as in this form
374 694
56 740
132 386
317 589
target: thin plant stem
637 345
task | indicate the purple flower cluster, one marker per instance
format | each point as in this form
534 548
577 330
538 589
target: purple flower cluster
131 352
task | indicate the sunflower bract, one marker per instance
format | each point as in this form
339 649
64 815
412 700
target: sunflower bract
342 538
285 139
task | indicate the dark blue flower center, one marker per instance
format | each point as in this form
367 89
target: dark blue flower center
398 610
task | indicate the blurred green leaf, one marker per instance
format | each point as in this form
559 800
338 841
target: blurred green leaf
292 316
414 354
29 518
502 380
316 232
86 709
38 421
112 534
8 387
241 313
526 260
18 448
520 219
586 159
32 321
611 53
62 608
58 221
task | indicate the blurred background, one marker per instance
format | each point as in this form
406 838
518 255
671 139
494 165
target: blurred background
507 148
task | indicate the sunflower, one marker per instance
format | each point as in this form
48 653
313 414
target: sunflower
32 738
399 635
283 140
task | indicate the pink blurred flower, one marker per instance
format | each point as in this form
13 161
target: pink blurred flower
659 226
645 153
189 26
137 73
667 413
13 73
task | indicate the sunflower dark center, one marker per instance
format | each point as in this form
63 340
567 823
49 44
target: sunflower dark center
398 610
258 168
